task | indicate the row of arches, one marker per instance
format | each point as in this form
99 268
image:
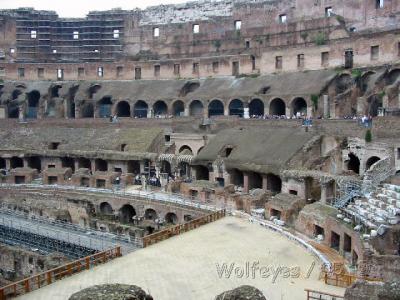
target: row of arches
127 213
354 164
141 109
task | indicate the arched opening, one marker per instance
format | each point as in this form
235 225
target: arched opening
184 169
171 218
343 83
215 108
160 108
84 163
236 108
93 90
16 162
178 108
202 173
104 107
68 162
277 107
2 163
373 104
392 76
126 214
256 108
106 208
123 109
33 104
299 107
189 87
201 148
71 108
236 177
101 165
165 167
353 163
255 180
185 150
133 167
87 110
371 161
140 109
34 162
54 91
274 183
196 108
13 110
150 214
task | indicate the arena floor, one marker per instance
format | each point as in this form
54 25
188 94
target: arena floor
188 266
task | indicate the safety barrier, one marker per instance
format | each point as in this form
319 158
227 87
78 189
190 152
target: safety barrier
317 295
344 280
40 280
181 228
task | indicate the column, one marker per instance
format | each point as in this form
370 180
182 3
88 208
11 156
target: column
245 182
288 112
246 114
8 164
226 110
324 187
186 112
326 106
141 164
93 165
25 161
264 182
360 105
21 114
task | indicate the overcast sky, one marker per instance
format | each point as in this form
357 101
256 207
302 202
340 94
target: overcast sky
79 8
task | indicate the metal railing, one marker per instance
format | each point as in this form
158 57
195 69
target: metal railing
181 228
40 280
318 295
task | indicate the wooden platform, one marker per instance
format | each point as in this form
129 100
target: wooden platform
338 262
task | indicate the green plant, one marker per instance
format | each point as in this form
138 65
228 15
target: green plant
356 73
314 100
368 136
340 19
381 94
217 44
304 35
320 39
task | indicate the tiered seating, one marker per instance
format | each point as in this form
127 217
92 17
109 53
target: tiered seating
380 208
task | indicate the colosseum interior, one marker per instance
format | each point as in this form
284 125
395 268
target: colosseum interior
190 148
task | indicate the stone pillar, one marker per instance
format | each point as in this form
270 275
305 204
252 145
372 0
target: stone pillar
186 112
25 161
324 187
245 183
76 164
266 108
141 165
93 165
65 104
149 113
246 114
226 110
21 113
360 105
8 164
309 111
288 112
326 106
77 115
398 104
385 101
264 182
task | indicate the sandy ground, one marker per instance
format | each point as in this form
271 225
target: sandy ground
190 266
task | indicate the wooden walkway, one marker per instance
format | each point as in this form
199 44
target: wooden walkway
338 262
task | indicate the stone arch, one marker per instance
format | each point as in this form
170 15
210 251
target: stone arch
202 173
196 108
16 162
84 163
255 180
215 108
2 163
106 208
126 214
186 149
374 102
277 107
274 183
104 107
34 162
93 89
236 177
392 76
189 87
256 108
123 109
353 163
160 108
201 148
33 104
140 109
171 218
68 162
178 108
299 106
166 167
150 214
55 90
371 161
13 110
365 81
87 110
236 108
101 165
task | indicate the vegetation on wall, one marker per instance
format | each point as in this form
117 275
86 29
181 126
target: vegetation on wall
314 100
368 136
320 39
